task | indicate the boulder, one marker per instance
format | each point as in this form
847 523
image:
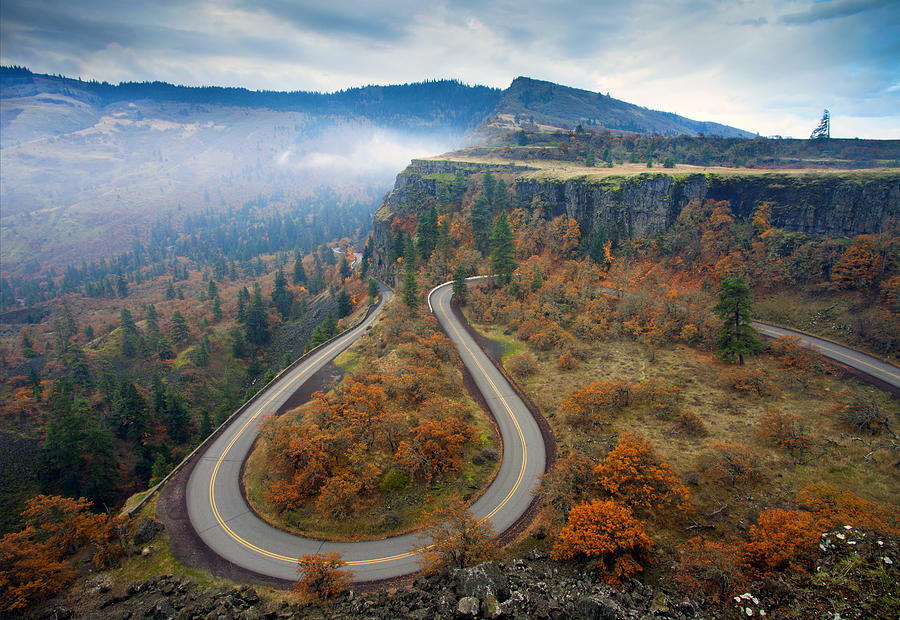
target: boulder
467 608
481 581
146 530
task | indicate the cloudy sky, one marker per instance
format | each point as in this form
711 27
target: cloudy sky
769 66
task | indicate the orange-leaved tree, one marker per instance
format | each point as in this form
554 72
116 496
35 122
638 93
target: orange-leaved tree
322 577
607 532
456 539
596 404
33 561
781 539
634 475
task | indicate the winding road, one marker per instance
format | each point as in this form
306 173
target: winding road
221 517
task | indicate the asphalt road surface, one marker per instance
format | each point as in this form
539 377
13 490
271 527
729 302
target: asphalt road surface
867 364
221 517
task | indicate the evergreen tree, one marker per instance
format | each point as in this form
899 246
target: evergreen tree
77 457
343 268
410 288
152 322
460 286
426 233
206 427
243 298
282 298
366 259
299 271
256 326
537 280
170 290
480 220
488 184
737 337
503 249
129 333
176 417
217 309
344 305
129 413
180 329
373 290
458 186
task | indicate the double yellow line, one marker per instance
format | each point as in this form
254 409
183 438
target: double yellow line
292 560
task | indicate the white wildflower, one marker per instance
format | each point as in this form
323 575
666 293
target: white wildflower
749 611
841 536
848 527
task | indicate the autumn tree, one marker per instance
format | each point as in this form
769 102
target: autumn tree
737 337
503 249
780 540
597 403
856 267
322 577
634 475
457 539
608 533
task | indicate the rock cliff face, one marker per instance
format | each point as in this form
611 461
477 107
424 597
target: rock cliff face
833 204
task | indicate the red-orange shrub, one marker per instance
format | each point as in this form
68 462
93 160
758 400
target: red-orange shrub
321 577
781 539
634 475
607 531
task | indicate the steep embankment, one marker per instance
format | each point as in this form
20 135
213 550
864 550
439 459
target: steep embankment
841 204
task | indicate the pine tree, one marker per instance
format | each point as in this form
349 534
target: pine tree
480 220
737 337
460 287
299 272
503 249
256 327
282 298
180 329
410 289
129 333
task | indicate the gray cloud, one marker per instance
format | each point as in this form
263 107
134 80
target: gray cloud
741 63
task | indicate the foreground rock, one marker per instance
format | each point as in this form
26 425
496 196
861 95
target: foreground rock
525 588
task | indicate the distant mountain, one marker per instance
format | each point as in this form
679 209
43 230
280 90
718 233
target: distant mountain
87 168
540 105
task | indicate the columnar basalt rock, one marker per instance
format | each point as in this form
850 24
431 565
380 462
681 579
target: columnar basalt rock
841 204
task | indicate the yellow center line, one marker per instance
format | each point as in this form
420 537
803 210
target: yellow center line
293 560
816 345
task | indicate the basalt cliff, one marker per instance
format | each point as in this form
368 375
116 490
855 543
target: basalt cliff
837 204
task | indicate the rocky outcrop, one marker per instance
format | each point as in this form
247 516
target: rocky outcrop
624 207
526 588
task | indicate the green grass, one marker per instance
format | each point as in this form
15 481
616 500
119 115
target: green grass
347 361
509 344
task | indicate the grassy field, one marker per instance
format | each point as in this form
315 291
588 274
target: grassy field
837 456
556 169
